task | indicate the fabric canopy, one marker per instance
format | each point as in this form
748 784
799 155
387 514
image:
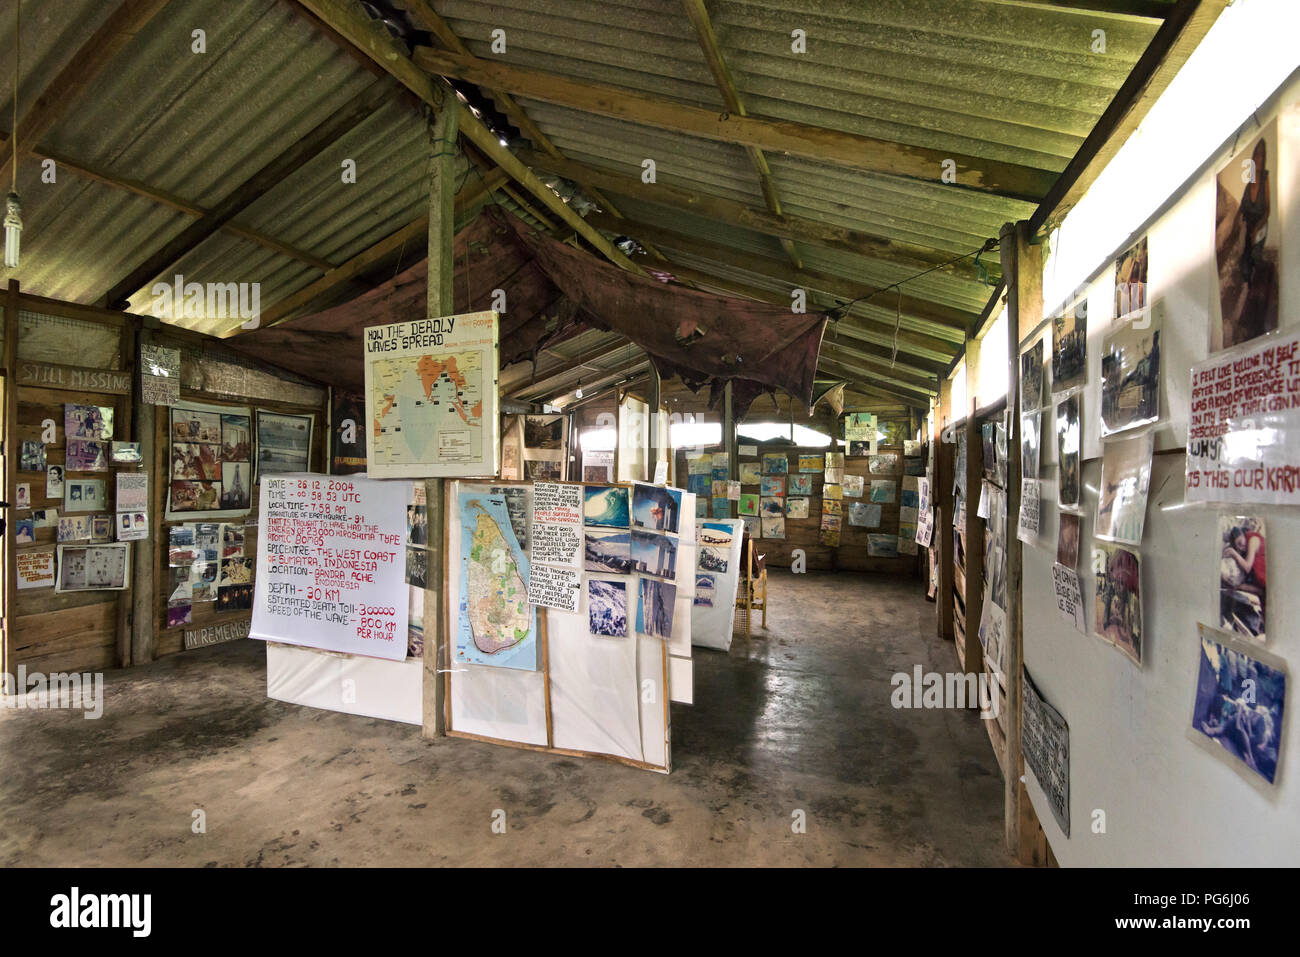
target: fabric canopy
552 292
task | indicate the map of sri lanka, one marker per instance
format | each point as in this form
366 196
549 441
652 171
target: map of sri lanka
498 600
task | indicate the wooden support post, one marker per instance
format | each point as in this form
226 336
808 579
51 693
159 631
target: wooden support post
729 432
143 558
128 350
12 454
442 195
1022 270
656 398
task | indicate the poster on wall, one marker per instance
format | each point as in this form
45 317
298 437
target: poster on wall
431 397
495 624
1243 432
1130 376
1247 241
347 433
860 433
160 375
347 592
93 568
546 444
35 569
1243 583
283 443
210 462
1240 703
1045 743
598 466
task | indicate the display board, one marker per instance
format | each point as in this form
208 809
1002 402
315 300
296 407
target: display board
602 681
717 576
431 397
331 564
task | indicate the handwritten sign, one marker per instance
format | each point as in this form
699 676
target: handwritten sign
1243 435
47 375
1069 598
554 587
1030 501
331 563
35 569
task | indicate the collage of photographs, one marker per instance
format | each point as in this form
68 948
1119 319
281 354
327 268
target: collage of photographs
207 562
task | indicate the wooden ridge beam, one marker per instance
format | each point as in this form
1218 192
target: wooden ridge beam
121 27
348 20
732 213
306 148
920 309
860 378
782 136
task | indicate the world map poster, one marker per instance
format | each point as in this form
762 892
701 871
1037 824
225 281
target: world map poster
431 397
495 624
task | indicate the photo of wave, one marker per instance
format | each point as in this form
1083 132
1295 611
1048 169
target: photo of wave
605 507
608 552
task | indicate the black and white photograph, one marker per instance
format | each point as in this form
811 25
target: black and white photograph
1069 449
607 607
1130 376
1031 377
1070 347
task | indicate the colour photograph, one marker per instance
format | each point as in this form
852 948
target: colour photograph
1130 376
607 552
1247 242
1070 347
1243 580
656 603
656 508
607 607
1031 377
1131 281
654 554
1068 446
1118 598
1240 702
605 506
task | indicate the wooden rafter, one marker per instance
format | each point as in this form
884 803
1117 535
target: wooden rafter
122 25
830 146
860 375
306 148
731 213
511 382
699 17
1117 9
347 19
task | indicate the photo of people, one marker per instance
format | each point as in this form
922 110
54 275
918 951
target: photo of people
1031 433
54 481
32 458
87 422
209 462
1247 234
1239 702
607 608
1070 347
1069 443
1118 598
1131 280
417 525
1125 481
1031 377
1067 541
1242 579
194 461
1130 377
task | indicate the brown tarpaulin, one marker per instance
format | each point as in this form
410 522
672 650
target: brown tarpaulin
554 291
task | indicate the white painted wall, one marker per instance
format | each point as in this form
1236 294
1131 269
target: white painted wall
1166 800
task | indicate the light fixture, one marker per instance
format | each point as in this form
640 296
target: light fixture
578 393
13 207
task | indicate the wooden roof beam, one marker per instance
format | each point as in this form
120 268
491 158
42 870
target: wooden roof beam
348 20
863 378
825 145
518 383
1113 9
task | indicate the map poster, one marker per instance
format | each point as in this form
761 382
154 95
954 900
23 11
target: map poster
331 564
431 397
1243 436
495 624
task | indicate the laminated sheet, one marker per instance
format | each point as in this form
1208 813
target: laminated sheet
351 684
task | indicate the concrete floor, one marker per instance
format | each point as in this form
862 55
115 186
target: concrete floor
798 720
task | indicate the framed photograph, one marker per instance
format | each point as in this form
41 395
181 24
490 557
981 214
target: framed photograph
84 495
283 443
93 567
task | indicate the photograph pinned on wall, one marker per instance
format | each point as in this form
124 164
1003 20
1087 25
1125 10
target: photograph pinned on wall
1069 445
775 463
75 528
179 612
656 508
796 507
1247 239
607 552
1117 601
883 490
234 597
93 568
771 506
1070 347
773 486
606 507
236 485
753 526
132 526
417 525
203 581
833 492
860 433
607 607
1131 281
24 531
706 590
656 602
1240 701
232 541
417 567
1130 376
1067 541
46 517
882 546
124 453
751 473
883 464
86 455
283 443
810 463
32 457
653 554
747 504
832 507
773 526
239 571
801 484
829 532
84 495
54 481
23 495
715 542
101 529
853 486
1031 377
1125 483
543 470
88 422
1031 440
864 515
1242 580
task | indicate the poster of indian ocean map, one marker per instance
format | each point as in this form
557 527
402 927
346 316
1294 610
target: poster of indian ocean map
431 397
495 625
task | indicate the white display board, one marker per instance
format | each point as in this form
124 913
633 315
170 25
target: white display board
713 610
352 684
331 564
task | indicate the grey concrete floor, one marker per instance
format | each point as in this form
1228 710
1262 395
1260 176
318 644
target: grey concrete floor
797 720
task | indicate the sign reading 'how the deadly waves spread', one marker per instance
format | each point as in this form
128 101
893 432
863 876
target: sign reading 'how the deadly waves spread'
331 564
431 397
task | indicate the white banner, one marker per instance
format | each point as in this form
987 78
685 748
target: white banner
331 564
